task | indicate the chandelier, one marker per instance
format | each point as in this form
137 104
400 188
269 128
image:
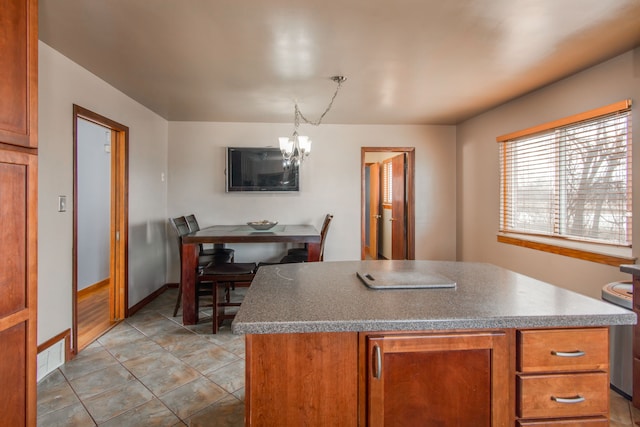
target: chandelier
297 147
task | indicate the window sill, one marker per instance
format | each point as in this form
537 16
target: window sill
614 256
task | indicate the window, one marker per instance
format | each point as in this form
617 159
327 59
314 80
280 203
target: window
387 182
570 179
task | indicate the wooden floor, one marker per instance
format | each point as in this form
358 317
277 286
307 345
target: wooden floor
93 314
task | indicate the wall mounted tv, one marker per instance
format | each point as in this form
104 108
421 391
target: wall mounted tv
259 169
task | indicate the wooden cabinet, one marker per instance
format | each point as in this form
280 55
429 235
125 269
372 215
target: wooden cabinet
562 376
302 379
442 378
19 65
18 211
497 378
636 342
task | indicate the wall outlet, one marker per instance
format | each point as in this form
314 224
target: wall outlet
62 203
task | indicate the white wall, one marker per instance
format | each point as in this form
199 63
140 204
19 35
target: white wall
330 183
478 176
63 83
94 203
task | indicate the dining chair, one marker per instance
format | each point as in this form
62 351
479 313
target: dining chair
181 228
302 254
225 278
221 253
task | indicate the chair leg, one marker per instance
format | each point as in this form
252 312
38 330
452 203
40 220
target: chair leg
178 300
214 314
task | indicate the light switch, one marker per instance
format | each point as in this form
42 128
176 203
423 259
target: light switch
62 203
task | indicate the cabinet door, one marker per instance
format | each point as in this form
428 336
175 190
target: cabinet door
18 62
438 379
307 379
18 288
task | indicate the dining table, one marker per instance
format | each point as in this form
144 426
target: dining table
222 234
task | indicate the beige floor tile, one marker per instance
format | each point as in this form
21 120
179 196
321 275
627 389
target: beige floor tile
228 412
117 401
210 359
150 414
54 392
88 362
193 397
130 350
71 416
239 394
229 377
100 381
181 341
151 362
154 327
123 333
164 380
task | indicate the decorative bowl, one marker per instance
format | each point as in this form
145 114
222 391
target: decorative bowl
262 225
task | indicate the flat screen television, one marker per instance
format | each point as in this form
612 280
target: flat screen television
259 169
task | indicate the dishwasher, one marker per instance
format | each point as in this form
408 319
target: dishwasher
620 339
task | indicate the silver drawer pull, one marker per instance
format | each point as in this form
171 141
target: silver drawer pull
576 353
377 362
577 399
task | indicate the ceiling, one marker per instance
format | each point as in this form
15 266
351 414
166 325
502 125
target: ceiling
406 61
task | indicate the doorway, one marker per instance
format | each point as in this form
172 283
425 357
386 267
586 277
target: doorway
100 225
387 203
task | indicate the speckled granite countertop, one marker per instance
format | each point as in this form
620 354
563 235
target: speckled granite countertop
329 297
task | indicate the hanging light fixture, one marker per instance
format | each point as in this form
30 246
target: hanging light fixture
298 147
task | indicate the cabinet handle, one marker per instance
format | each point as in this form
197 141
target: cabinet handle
377 362
576 353
577 399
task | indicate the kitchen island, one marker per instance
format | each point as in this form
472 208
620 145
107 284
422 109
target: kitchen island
498 349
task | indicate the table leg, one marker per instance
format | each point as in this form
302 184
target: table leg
188 280
313 252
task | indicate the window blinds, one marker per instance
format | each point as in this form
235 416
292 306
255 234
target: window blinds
571 181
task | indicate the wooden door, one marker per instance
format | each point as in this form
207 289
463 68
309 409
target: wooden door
18 211
374 209
398 209
118 247
438 379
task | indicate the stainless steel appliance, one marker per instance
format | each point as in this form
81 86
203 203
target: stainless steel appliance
620 339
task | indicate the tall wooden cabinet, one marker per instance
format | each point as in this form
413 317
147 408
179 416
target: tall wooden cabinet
18 210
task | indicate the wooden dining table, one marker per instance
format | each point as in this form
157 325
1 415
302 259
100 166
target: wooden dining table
280 233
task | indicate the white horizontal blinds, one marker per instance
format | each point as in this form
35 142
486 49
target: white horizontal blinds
571 181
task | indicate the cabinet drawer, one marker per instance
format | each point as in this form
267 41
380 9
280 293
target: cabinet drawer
563 350
566 422
563 395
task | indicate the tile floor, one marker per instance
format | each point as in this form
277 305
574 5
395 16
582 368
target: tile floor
151 371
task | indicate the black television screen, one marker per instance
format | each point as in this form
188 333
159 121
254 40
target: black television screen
259 169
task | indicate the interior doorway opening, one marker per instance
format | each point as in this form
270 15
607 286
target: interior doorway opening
100 225
387 203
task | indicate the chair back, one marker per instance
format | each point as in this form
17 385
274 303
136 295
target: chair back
192 222
323 234
181 226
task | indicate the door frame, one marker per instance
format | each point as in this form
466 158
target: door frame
119 230
410 194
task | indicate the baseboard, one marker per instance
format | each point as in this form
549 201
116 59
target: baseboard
173 285
146 300
94 287
53 353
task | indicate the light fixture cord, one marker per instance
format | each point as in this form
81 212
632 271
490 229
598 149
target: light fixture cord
298 113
